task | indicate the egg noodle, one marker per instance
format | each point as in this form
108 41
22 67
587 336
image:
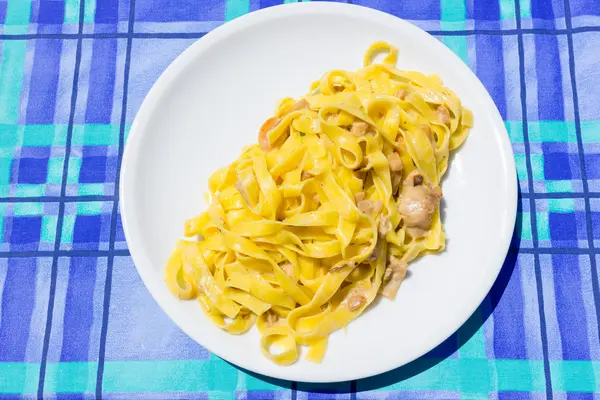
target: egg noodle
307 227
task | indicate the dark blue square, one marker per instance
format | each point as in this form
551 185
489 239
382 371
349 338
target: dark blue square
557 166
563 226
179 10
87 229
107 12
484 10
25 230
269 3
546 9
51 12
93 169
33 170
592 166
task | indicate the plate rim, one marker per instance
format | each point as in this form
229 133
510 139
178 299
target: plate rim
203 44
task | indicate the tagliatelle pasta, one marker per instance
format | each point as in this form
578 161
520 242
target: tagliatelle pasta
306 228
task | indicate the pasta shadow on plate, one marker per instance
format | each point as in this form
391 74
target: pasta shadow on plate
450 346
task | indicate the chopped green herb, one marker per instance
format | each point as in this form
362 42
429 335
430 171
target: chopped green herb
302 134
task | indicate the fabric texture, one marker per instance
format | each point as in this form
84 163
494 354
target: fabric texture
76 321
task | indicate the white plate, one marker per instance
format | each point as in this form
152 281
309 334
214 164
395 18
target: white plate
210 102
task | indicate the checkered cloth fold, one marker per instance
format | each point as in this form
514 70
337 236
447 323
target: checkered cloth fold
73 74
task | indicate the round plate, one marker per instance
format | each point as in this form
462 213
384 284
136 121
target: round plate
211 101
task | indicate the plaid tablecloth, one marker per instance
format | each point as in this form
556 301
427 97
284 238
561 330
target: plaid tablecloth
77 322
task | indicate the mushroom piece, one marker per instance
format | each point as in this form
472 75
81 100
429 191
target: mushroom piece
385 225
418 202
443 115
356 301
393 276
359 128
370 206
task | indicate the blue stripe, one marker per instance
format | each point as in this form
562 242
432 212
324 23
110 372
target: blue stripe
536 258
490 69
101 82
79 309
569 306
61 209
18 299
508 321
44 82
549 80
197 35
113 228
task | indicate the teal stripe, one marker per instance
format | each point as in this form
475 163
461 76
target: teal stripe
575 376
18 12
157 376
458 45
11 79
236 8
48 230
561 205
475 346
89 208
559 186
90 189
507 9
515 131
525 8
10 136
28 209
526 226
89 11
223 376
453 11
19 378
469 376
537 167
520 375
543 226
71 377
521 165
71 11
30 190
552 131
590 131
66 235
96 135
